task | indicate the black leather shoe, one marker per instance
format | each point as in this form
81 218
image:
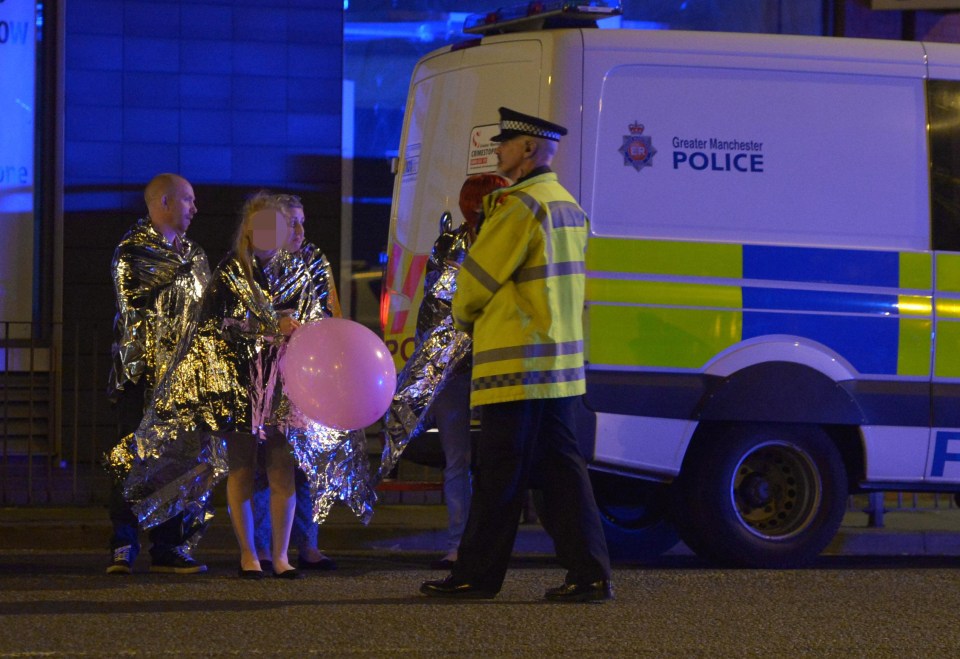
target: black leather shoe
598 591
250 574
452 588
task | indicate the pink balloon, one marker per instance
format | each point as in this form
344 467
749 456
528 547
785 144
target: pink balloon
339 373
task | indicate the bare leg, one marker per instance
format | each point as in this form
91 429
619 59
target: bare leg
239 495
263 529
280 474
241 454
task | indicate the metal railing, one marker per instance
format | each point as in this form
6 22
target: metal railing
877 504
53 413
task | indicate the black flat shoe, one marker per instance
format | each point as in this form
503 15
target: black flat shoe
598 591
454 589
250 574
326 564
292 573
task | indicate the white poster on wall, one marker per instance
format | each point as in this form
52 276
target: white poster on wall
18 43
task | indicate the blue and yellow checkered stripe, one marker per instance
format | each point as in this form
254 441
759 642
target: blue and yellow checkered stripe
947 359
671 304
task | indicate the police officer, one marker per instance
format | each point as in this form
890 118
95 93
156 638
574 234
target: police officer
520 293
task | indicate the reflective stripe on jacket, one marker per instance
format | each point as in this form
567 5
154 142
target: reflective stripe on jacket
520 292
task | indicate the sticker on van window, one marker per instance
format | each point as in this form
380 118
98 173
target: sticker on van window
481 156
637 148
411 161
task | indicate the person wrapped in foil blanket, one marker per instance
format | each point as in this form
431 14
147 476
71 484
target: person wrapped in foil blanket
227 379
158 289
441 351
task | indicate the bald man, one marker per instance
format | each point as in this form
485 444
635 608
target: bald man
159 276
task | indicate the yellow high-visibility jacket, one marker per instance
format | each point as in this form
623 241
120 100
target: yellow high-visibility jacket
520 294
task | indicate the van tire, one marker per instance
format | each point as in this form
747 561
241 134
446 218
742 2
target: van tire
761 495
634 514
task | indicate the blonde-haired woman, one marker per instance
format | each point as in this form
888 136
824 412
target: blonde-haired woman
253 332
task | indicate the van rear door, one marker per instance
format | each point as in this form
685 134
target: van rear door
450 117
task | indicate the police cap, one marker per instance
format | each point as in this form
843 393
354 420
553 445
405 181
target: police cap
513 123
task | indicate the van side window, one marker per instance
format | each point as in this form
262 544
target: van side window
833 158
943 111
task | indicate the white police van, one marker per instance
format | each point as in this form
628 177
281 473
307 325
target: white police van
773 286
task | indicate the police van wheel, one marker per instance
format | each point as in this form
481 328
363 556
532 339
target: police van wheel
767 495
634 516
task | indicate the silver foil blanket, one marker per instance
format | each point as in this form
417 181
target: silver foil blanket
336 465
157 289
226 379
177 462
441 351
303 284
180 480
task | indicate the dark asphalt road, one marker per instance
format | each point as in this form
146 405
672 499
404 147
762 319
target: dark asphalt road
61 604
889 592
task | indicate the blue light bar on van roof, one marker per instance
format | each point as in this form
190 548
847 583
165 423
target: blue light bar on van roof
540 15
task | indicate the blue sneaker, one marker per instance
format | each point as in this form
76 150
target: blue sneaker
176 561
123 558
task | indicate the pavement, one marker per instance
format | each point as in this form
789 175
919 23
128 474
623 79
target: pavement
421 528
393 528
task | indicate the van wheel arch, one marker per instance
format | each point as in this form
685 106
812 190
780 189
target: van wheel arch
780 392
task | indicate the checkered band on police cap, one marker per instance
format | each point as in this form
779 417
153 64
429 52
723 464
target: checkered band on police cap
529 129
513 123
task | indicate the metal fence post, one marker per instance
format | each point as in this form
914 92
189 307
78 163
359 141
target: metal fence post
6 411
875 510
76 407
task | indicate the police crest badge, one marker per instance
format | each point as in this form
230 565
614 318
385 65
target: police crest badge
637 148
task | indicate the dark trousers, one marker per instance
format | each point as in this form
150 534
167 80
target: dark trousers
531 444
163 537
